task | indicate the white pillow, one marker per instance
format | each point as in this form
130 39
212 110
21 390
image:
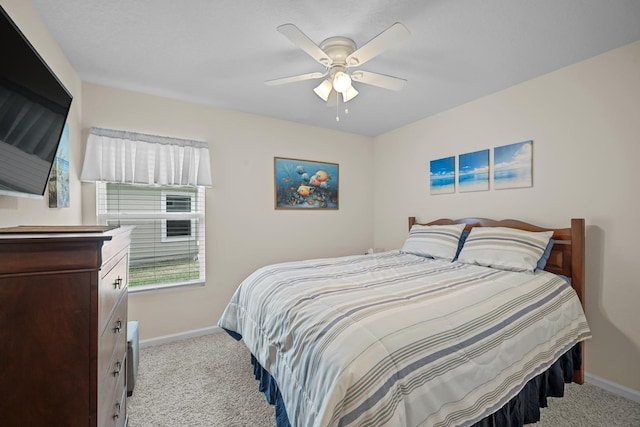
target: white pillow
504 248
435 241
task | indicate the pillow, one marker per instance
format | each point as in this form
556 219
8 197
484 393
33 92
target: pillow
504 248
435 241
463 237
542 262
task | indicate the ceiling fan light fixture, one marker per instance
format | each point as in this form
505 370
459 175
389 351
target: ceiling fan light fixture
341 82
323 89
349 94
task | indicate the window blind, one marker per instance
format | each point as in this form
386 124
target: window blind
167 247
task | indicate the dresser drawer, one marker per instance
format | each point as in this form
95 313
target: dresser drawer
113 341
113 283
112 406
121 419
114 369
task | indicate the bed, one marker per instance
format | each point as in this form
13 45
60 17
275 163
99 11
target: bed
465 325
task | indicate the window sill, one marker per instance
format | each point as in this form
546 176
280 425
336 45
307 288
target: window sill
152 288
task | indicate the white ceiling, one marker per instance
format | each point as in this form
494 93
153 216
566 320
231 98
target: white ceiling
220 52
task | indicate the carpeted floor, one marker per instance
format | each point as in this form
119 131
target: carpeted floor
208 382
199 382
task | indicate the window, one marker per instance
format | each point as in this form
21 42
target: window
177 229
167 247
166 205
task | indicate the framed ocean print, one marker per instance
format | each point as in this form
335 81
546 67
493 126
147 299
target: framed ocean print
442 175
513 165
305 184
473 171
59 177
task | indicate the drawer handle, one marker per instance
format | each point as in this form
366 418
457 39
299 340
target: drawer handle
118 283
116 372
118 327
117 414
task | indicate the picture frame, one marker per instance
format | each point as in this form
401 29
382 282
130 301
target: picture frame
513 165
442 175
473 171
58 184
305 184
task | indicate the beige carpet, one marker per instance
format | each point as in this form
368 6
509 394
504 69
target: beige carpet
198 382
208 382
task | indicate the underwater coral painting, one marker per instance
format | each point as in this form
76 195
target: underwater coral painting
305 184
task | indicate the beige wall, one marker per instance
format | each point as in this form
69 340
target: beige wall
584 121
243 231
22 211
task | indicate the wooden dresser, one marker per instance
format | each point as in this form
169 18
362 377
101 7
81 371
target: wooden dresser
63 320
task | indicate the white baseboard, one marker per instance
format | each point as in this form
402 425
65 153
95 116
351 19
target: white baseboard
164 339
612 387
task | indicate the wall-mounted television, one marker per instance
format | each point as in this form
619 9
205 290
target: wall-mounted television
34 106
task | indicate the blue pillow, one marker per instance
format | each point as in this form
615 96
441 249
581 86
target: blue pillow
463 237
542 262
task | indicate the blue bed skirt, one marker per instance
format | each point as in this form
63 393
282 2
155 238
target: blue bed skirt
522 409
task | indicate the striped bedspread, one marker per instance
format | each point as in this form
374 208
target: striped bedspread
395 339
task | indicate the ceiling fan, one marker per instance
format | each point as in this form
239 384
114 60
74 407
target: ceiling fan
340 56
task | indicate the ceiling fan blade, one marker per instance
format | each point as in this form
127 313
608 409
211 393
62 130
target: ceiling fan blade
390 37
301 40
380 80
293 79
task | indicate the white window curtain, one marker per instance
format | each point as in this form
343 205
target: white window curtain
134 158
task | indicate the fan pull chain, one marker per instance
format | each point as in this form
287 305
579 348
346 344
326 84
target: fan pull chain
346 108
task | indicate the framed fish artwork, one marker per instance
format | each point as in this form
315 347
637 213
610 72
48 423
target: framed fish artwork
305 184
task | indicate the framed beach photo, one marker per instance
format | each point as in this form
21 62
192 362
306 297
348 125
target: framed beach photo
59 177
513 165
442 175
305 184
473 171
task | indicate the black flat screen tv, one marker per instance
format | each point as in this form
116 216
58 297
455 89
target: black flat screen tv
34 106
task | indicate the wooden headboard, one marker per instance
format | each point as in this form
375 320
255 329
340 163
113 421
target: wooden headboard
567 254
